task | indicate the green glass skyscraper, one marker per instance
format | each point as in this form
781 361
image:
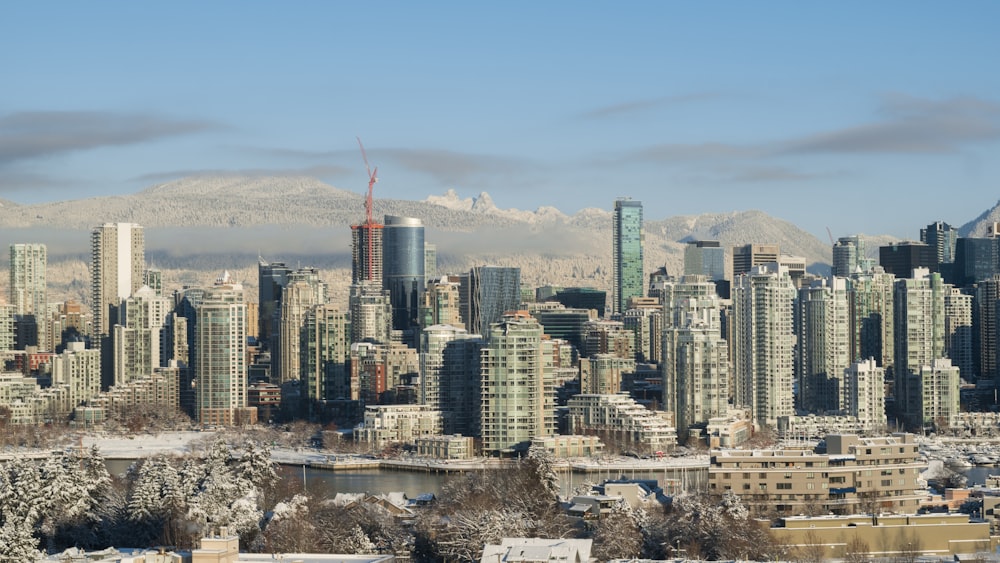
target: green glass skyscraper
627 250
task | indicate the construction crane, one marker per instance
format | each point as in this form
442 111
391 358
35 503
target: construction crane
369 226
828 233
372 179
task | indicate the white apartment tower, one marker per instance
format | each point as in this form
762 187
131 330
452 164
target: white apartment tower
28 292
864 394
116 270
763 343
220 368
140 339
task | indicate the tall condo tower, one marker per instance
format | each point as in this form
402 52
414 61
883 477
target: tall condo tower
627 251
403 267
763 343
366 238
28 293
220 365
117 263
487 293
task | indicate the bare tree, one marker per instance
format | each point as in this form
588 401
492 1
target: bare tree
856 550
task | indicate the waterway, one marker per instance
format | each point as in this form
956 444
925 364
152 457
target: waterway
415 483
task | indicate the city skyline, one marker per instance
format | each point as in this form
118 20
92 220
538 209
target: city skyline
690 110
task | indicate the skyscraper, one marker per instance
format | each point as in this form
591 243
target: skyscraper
326 346
28 294
850 256
942 238
763 343
749 255
627 253
271 280
450 376
220 366
403 267
366 253
872 311
139 337
303 289
920 335
117 263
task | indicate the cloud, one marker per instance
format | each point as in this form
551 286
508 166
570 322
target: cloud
14 181
32 135
451 167
771 174
638 106
669 152
912 125
318 171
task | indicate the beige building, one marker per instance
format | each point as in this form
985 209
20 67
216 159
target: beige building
387 424
620 417
894 536
855 475
116 268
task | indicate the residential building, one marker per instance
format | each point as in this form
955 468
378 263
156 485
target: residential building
872 316
441 303
763 343
487 293
324 353
822 328
450 376
864 394
939 400
303 290
397 424
371 313
117 263
220 369
139 337
958 331
920 336
618 418
602 373
28 294
850 256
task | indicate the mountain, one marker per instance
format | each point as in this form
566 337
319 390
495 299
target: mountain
980 226
197 226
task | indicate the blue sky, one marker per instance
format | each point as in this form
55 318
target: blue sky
873 117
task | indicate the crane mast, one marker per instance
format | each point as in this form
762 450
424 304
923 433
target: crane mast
369 225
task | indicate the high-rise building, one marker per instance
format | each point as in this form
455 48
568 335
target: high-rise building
403 269
220 368
117 263
139 337
450 376
958 331
441 303
627 253
864 394
763 343
920 336
326 347
823 330
518 401
645 320
872 324
747 256
371 313
987 346
850 256
430 261
705 258
366 253
900 259
602 374
303 290
976 259
28 294
487 292
938 388
942 238
271 280
695 355
153 278
7 315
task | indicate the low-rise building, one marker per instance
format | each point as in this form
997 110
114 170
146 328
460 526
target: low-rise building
387 424
620 418
854 475
454 446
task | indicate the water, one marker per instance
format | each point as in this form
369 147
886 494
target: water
978 475
415 483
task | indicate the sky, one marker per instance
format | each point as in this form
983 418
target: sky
860 117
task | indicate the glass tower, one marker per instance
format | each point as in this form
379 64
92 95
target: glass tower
403 266
627 251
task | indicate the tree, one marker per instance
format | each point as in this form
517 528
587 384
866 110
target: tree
856 550
617 536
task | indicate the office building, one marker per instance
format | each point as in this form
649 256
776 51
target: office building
220 368
986 344
747 256
976 259
823 330
850 256
583 298
900 259
705 258
487 292
271 280
28 294
763 343
450 376
942 238
627 251
518 398
559 321
920 335
403 269
117 263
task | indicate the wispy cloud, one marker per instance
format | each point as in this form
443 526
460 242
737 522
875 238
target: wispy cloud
32 135
771 174
912 125
454 168
677 152
318 171
638 106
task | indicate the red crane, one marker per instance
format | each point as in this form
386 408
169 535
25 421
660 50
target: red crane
372 179
369 226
